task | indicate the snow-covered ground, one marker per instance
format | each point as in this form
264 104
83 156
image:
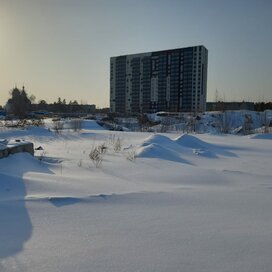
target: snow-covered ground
232 122
164 202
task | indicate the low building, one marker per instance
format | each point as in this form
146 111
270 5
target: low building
224 106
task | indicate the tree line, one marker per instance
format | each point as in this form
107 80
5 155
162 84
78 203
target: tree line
262 106
20 104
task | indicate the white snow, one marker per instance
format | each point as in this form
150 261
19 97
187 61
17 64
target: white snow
185 203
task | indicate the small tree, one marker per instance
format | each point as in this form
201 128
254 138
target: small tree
42 105
143 121
19 103
225 122
190 125
117 147
76 124
58 126
266 123
247 124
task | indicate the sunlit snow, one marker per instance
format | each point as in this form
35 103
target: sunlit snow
162 202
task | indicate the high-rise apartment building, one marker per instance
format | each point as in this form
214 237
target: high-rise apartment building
169 80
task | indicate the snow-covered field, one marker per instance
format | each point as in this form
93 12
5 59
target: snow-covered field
164 202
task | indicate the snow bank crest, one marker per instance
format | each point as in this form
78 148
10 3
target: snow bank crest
262 136
191 141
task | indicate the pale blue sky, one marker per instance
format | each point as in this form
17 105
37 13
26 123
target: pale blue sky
61 48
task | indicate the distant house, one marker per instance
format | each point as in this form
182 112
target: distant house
40 114
3 114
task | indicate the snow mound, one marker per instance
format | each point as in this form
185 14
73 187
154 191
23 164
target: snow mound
20 163
262 136
191 141
12 171
160 147
160 140
199 147
159 152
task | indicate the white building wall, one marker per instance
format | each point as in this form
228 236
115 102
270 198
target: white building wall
200 82
168 88
128 83
205 73
141 85
112 84
154 89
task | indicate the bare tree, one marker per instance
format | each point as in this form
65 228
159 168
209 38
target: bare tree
247 127
76 124
58 126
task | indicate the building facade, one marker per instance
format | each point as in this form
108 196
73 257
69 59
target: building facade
170 80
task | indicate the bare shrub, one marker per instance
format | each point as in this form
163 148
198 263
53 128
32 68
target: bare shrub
79 164
225 122
22 123
131 155
163 128
116 143
190 123
96 156
58 126
42 156
267 123
37 122
102 148
111 139
247 126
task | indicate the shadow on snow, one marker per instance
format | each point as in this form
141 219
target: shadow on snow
15 224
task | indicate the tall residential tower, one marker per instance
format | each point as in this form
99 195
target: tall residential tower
169 80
